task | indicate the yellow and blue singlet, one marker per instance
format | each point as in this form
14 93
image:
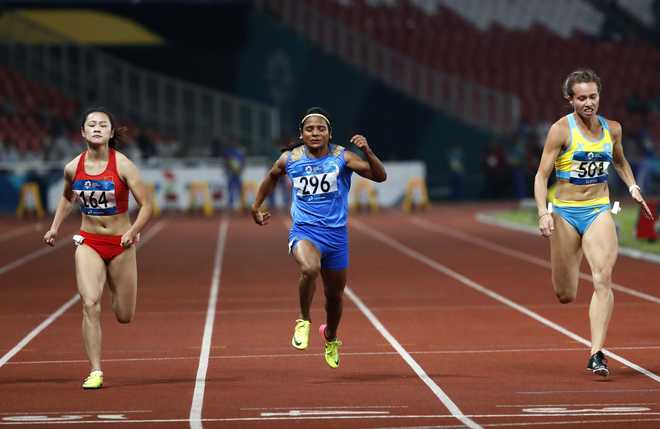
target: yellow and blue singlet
584 162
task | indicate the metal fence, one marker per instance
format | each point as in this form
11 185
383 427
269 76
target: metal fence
192 113
474 104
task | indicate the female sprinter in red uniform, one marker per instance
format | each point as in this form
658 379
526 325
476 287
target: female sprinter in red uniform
101 178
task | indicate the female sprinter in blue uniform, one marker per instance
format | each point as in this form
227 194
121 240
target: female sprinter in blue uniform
100 179
321 176
580 147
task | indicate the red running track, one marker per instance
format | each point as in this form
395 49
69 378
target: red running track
448 322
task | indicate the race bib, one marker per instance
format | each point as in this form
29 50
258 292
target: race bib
96 197
316 186
589 167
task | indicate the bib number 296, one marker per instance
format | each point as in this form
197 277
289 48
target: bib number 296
315 184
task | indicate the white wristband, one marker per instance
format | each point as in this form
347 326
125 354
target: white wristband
634 187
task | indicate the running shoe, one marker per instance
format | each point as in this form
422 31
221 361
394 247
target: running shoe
300 338
94 380
331 349
598 364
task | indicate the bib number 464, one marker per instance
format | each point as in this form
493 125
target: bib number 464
94 199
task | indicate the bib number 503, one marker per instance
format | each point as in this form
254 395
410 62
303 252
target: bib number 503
590 169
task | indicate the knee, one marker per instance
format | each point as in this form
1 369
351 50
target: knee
334 294
602 278
125 317
91 308
310 271
565 298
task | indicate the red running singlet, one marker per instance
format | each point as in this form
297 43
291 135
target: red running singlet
103 194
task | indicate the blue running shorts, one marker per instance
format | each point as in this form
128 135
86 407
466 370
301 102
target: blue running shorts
332 243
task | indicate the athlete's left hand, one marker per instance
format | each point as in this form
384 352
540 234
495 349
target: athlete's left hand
637 196
128 239
361 142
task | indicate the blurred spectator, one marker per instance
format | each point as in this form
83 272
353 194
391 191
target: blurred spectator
456 161
8 152
636 105
494 167
217 147
7 107
283 187
146 146
517 163
169 147
649 165
59 147
234 159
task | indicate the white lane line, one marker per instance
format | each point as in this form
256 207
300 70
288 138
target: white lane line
599 404
338 407
27 413
523 256
36 331
33 255
50 319
528 419
539 423
296 412
316 355
626 251
20 231
437 391
494 295
195 418
617 391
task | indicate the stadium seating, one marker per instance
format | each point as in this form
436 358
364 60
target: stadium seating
525 48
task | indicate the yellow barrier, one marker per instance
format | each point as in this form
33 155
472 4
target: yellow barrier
415 184
361 186
198 189
30 199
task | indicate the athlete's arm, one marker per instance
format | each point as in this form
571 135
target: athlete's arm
557 136
266 187
130 174
623 169
65 204
372 168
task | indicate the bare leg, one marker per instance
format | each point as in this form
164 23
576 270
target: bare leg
600 248
91 277
122 280
333 286
308 258
566 255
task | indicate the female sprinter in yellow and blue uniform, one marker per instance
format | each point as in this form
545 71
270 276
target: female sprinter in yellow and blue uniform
580 147
583 162
318 239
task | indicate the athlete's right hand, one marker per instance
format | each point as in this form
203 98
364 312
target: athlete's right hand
546 225
261 217
49 237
